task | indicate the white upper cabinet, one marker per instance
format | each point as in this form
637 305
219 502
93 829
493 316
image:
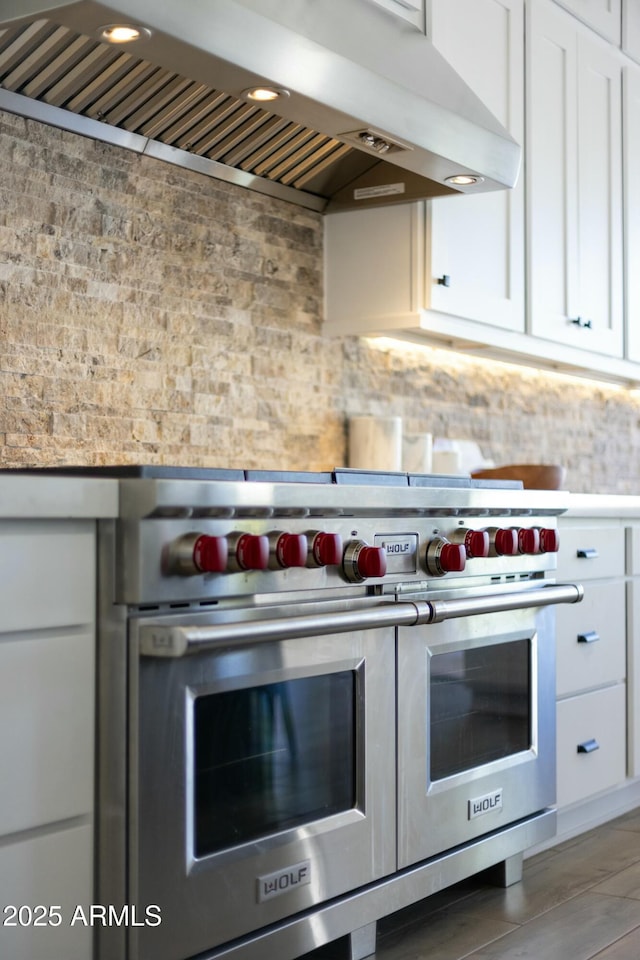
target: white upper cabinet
631 28
631 89
574 168
410 10
384 266
604 16
478 241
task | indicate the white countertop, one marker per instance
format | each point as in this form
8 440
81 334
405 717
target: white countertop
27 497
603 505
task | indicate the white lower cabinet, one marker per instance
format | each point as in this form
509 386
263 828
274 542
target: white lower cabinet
46 884
591 662
46 728
47 706
591 743
598 663
591 639
633 649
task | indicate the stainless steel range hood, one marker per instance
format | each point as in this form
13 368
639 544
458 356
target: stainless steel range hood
371 113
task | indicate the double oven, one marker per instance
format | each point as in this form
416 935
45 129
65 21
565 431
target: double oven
322 698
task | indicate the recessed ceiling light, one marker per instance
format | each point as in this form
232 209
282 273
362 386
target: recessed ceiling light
464 179
264 94
123 33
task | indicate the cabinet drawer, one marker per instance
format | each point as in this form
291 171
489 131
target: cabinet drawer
591 639
598 720
591 552
48 573
54 870
46 729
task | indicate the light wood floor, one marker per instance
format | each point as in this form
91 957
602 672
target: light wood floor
577 901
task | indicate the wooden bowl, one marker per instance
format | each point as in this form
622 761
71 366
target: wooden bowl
534 476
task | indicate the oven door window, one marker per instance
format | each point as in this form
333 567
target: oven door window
480 706
272 757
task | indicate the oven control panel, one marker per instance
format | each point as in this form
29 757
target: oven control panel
219 558
206 540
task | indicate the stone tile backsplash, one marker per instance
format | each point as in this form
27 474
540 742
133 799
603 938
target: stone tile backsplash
150 314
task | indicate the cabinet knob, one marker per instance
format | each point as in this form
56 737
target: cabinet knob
444 280
589 636
588 746
581 322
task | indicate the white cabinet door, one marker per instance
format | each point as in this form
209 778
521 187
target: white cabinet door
47 682
478 241
574 165
382 265
631 28
604 16
632 209
50 872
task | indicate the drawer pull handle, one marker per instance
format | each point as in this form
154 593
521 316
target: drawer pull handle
588 553
589 637
588 746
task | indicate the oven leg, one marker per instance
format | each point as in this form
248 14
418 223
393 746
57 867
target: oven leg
508 872
362 942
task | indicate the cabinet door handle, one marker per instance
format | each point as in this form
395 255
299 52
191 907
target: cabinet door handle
588 553
444 280
589 637
581 322
588 746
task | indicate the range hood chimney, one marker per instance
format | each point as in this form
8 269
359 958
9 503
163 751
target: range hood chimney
367 111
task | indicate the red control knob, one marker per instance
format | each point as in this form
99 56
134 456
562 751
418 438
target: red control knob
252 552
442 557
291 550
529 540
210 554
549 541
476 543
452 558
506 542
372 562
361 561
326 549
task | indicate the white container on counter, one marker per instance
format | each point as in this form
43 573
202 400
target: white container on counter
447 461
417 453
375 443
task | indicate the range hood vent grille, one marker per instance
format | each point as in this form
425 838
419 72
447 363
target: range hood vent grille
52 64
359 124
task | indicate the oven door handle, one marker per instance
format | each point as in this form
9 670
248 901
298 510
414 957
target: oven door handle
500 603
158 640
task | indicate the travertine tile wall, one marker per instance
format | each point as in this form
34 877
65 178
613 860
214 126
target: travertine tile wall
149 314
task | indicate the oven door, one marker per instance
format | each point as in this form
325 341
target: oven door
476 727
261 782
